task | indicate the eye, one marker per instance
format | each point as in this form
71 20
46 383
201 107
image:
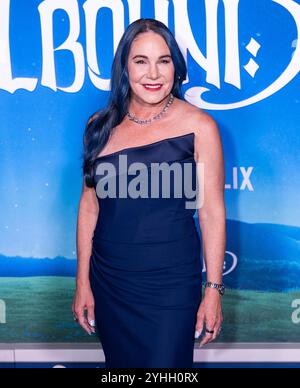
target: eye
165 61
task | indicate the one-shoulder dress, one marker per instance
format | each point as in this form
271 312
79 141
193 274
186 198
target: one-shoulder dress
145 267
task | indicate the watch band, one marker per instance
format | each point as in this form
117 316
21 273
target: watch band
219 287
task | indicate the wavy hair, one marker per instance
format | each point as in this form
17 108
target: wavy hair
100 124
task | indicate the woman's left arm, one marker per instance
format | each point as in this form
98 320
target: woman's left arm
212 221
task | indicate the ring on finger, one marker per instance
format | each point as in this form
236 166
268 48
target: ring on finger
92 323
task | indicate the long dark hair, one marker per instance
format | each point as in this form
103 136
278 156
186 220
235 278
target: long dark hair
101 123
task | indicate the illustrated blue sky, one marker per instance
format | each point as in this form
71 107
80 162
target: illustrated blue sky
41 131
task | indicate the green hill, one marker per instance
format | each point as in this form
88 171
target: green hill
38 309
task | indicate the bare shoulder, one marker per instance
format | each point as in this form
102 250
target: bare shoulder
202 124
195 119
201 120
207 134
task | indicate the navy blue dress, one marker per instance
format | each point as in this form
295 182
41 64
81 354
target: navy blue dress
145 268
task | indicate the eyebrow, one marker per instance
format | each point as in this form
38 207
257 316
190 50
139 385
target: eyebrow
145 56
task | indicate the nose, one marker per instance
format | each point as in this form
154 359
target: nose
153 71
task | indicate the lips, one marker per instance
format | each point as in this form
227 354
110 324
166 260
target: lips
152 86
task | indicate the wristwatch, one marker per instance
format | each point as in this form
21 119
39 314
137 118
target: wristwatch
219 287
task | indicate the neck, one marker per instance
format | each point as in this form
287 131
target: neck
144 110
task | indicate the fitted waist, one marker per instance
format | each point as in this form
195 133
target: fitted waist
137 230
146 256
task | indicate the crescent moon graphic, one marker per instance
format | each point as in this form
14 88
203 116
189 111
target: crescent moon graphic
192 95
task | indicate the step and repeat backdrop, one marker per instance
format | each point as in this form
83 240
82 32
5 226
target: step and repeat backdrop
243 59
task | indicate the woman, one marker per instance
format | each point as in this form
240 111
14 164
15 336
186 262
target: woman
139 271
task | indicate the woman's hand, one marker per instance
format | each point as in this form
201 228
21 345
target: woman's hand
84 300
210 315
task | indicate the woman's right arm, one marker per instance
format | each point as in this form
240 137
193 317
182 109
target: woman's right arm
88 211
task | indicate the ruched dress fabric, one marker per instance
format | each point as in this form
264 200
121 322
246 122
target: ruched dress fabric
145 267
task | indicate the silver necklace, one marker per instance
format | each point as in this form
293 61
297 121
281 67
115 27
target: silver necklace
156 117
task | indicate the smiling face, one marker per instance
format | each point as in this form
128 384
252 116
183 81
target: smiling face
150 64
